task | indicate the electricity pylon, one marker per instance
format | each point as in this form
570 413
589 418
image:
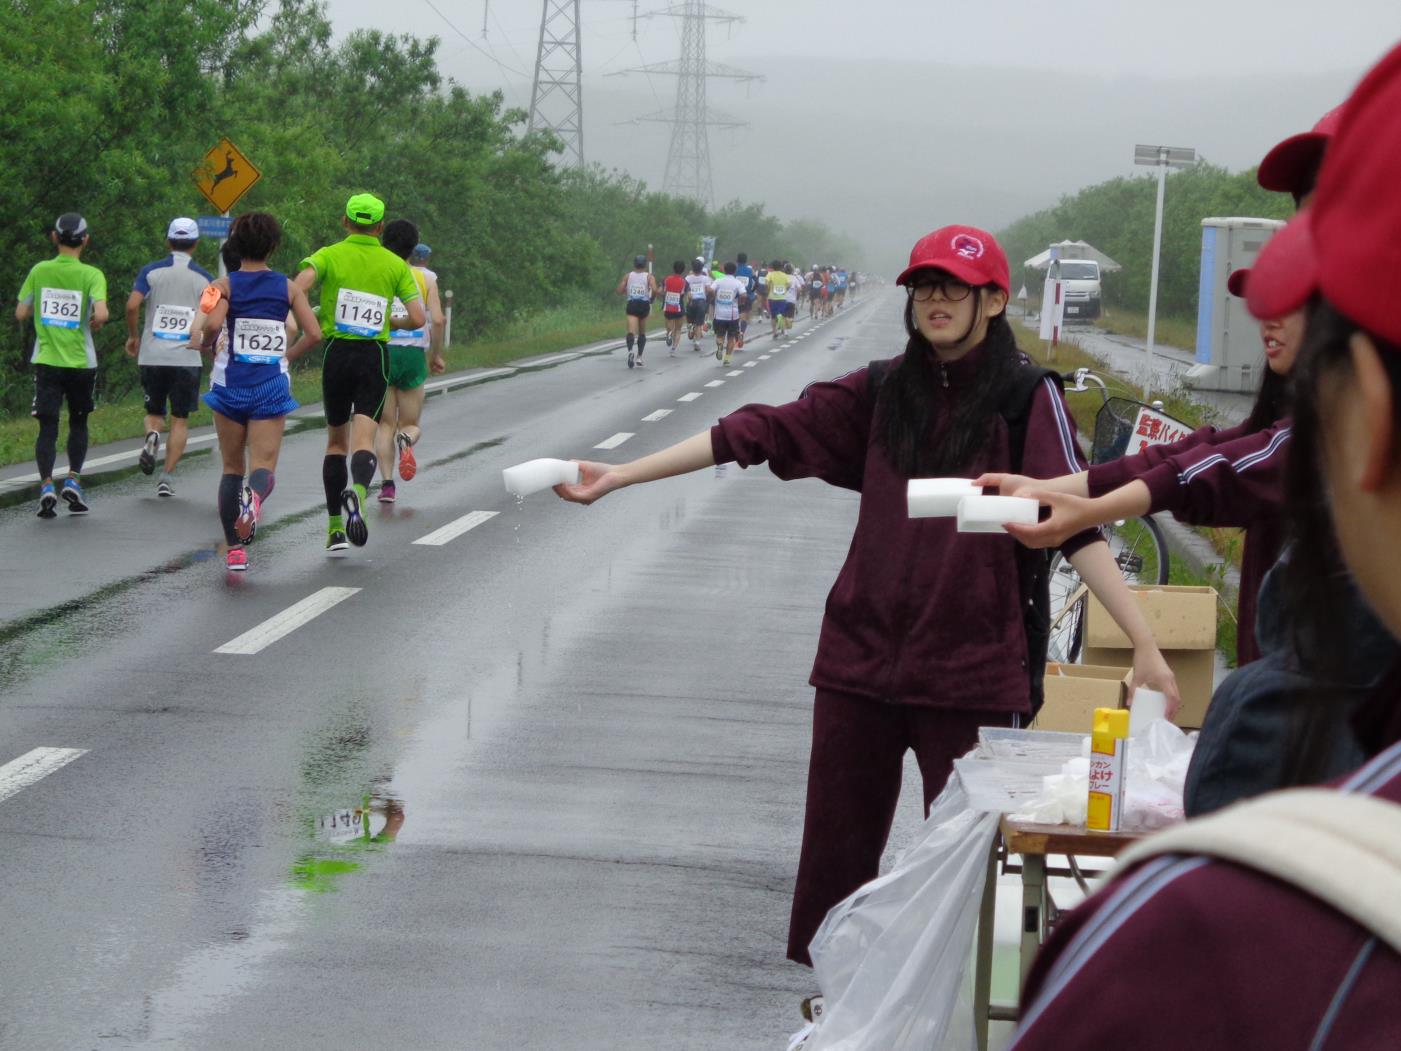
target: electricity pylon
557 97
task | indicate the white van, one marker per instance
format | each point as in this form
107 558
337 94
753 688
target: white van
1082 289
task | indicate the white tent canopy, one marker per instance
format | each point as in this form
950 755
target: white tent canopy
1073 250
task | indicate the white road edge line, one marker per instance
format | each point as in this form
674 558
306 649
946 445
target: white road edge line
257 639
716 383
691 396
456 528
615 441
653 417
35 765
103 461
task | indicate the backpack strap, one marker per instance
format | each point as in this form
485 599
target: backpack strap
1341 847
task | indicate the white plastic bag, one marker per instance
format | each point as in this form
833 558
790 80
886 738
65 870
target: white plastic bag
890 959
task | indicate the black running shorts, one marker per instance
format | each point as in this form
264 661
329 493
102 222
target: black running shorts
695 313
176 384
639 308
353 379
53 384
726 328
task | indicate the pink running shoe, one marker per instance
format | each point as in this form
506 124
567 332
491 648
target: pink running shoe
237 560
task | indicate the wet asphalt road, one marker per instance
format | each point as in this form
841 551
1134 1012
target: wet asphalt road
578 736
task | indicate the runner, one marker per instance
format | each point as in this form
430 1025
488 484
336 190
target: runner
250 390
641 288
697 303
359 279
728 295
842 279
745 273
413 354
795 292
169 365
814 284
71 299
778 297
673 309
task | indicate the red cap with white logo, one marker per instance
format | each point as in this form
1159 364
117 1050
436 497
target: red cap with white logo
969 254
1347 244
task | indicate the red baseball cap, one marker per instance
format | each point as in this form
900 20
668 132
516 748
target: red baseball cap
1237 282
1347 244
1285 167
969 254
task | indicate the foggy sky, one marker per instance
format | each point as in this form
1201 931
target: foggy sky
934 112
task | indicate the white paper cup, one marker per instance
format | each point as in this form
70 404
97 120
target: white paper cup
534 475
937 497
1146 707
986 514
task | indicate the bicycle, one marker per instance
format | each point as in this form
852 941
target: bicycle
1122 426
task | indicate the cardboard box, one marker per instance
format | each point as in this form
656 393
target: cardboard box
1074 691
1183 620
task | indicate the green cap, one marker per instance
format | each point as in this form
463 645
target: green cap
364 208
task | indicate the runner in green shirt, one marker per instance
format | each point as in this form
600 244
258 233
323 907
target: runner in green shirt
67 300
359 279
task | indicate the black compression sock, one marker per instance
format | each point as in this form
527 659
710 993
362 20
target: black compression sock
641 342
631 339
229 492
261 482
333 479
362 467
46 446
77 441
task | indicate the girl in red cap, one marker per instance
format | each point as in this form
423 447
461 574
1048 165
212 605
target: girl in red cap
1284 945
923 639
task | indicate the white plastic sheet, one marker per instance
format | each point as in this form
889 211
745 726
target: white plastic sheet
891 958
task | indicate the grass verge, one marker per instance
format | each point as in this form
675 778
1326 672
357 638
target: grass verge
1169 331
122 418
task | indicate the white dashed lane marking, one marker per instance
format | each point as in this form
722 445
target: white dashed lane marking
456 528
690 397
615 441
257 639
716 383
737 372
34 765
653 417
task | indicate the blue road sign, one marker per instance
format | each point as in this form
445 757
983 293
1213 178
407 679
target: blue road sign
215 225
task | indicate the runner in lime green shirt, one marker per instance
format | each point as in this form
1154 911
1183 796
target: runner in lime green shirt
359 279
67 300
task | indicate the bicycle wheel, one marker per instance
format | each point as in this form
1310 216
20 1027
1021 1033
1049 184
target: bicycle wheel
1139 548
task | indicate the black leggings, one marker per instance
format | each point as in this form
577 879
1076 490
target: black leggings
46 445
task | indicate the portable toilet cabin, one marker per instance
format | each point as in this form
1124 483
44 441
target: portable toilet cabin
1229 354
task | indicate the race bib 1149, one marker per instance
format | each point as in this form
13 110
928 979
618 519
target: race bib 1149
259 341
360 313
60 307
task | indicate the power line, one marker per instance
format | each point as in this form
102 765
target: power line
499 64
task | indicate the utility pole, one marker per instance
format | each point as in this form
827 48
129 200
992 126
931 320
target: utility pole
688 160
557 96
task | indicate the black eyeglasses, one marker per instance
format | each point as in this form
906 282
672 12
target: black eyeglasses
951 288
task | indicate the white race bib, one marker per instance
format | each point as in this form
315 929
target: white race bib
172 323
725 296
60 307
259 341
360 313
673 299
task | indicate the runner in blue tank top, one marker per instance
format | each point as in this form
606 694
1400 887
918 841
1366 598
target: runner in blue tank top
250 390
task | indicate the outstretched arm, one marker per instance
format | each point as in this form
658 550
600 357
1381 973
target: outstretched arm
600 479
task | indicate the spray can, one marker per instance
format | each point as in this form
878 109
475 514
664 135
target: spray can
1108 745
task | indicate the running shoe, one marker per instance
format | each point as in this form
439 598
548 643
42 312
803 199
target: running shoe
356 531
237 560
639 359
386 493
335 540
408 466
739 345
149 448
728 361
164 488
72 494
249 512
719 353
48 500
632 359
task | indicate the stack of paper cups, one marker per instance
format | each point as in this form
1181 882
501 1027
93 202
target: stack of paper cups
986 514
1147 706
534 475
937 497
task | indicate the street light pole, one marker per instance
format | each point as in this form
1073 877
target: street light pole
1162 158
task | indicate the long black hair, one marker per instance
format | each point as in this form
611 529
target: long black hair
906 416
1318 588
1272 401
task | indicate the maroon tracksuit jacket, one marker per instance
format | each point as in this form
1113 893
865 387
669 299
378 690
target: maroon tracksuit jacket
920 614
1218 478
1189 952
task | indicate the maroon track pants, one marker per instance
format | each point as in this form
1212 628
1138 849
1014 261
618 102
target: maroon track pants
858 749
